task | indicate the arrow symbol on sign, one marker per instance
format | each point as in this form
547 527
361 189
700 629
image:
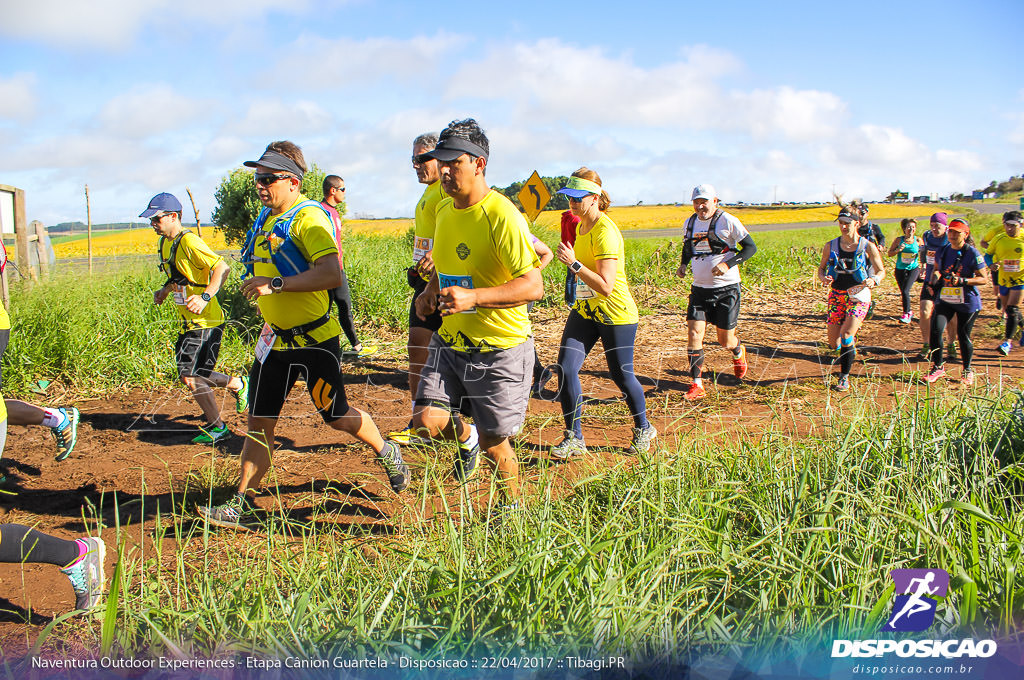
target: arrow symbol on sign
536 194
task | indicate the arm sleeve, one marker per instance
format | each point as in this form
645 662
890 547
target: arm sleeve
746 251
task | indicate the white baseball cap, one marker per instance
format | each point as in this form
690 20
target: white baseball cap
703 191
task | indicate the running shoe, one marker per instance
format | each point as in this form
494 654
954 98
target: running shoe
906 318
968 378
211 435
937 372
242 396
66 433
951 351
1004 348
237 513
739 364
570 446
409 436
843 384
467 460
390 458
642 439
86 574
695 392
365 350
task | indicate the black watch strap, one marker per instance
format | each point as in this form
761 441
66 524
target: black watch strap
205 296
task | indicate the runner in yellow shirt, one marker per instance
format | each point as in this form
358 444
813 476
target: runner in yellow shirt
294 263
486 271
195 275
418 275
1006 250
604 309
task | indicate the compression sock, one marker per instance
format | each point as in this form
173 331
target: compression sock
696 363
52 417
1012 321
847 352
19 543
737 351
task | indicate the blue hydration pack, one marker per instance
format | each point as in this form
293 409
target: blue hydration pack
860 270
288 259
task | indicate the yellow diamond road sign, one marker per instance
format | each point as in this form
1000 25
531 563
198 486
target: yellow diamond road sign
534 196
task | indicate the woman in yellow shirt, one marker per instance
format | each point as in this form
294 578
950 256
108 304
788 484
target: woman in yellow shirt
604 309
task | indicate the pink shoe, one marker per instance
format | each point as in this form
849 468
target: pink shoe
935 375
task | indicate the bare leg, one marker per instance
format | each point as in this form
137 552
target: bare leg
500 451
256 453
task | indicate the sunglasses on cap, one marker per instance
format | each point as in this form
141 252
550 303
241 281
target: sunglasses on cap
265 179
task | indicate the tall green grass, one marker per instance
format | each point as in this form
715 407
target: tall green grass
760 540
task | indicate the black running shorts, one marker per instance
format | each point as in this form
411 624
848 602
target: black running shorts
718 306
272 380
196 351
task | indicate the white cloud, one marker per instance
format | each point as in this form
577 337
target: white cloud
799 115
279 119
315 62
114 24
151 110
17 96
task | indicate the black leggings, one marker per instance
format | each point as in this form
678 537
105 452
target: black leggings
905 279
578 338
964 325
342 297
19 543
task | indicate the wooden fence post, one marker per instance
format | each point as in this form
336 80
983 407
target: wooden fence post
21 235
41 254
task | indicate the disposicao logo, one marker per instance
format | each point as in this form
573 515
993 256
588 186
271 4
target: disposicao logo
914 607
913 611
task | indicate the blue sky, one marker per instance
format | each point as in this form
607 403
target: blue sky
760 99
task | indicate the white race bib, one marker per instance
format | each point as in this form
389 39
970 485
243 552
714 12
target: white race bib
421 245
179 295
908 258
583 291
952 294
265 343
701 246
930 258
1010 265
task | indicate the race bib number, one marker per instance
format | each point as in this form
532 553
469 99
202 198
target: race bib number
930 258
265 343
583 291
701 246
952 294
1010 265
179 295
908 258
464 281
421 245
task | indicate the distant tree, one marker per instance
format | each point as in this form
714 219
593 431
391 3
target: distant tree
238 206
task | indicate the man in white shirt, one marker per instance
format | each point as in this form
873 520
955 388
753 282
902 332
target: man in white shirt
715 242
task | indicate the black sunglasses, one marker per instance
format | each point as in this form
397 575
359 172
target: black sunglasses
268 178
422 158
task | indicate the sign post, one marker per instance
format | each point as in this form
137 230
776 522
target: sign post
534 196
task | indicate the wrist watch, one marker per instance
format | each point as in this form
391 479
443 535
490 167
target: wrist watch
205 296
276 284
576 266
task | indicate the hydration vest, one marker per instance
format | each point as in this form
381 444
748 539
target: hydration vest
287 257
167 266
717 245
859 272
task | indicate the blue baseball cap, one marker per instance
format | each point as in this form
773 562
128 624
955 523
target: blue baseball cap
161 203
